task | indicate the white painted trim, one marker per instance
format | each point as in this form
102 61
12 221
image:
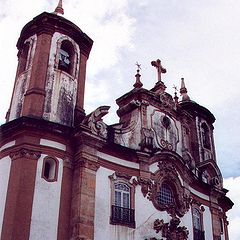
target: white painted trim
5 165
7 145
199 194
53 144
118 160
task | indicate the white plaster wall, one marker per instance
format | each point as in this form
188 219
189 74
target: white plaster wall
145 214
102 204
118 161
53 144
46 204
186 221
7 145
5 164
207 223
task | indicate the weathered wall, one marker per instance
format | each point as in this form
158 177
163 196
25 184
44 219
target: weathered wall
22 81
61 87
46 203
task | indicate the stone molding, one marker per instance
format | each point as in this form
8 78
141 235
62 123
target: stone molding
25 153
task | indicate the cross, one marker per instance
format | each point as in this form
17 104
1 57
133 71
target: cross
160 69
138 66
175 87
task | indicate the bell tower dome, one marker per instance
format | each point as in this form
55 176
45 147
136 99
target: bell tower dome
50 77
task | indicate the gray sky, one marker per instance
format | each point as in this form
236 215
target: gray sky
197 40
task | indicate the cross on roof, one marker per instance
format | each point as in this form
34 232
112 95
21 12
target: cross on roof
160 69
138 66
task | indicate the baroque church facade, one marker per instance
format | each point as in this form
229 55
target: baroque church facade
67 175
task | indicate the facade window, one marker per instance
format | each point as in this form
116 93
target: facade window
66 57
205 136
198 233
165 195
50 169
122 209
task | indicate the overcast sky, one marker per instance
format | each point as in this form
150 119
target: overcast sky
197 40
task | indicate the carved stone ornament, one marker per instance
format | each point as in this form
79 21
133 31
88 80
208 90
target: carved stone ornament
95 123
25 153
166 100
147 139
168 175
171 230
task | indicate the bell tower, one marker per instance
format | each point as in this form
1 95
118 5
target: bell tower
50 78
36 151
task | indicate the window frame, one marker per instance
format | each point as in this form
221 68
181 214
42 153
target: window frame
54 164
130 211
198 233
71 49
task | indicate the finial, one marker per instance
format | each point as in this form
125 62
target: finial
138 83
160 69
59 8
175 94
183 91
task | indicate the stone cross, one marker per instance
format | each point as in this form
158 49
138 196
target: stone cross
160 69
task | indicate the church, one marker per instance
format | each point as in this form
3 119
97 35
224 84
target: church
67 175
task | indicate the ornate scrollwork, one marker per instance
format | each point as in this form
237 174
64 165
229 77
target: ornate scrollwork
146 186
171 230
167 175
166 100
147 139
95 123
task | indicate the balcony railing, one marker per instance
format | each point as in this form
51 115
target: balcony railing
198 234
123 216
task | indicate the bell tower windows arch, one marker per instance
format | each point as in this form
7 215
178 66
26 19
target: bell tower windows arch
205 135
66 57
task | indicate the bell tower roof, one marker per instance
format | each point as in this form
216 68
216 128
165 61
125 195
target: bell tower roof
52 22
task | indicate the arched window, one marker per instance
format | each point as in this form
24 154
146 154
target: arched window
205 136
23 57
197 225
122 202
50 169
122 195
66 57
165 195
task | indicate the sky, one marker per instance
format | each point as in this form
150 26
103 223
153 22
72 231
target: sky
197 40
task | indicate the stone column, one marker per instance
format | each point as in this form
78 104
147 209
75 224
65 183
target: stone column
19 200
83 194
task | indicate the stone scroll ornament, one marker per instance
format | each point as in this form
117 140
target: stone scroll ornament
171 230
150 188
95 123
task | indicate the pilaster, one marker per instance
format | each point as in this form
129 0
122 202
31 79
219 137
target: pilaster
35 95
83 194
19 200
